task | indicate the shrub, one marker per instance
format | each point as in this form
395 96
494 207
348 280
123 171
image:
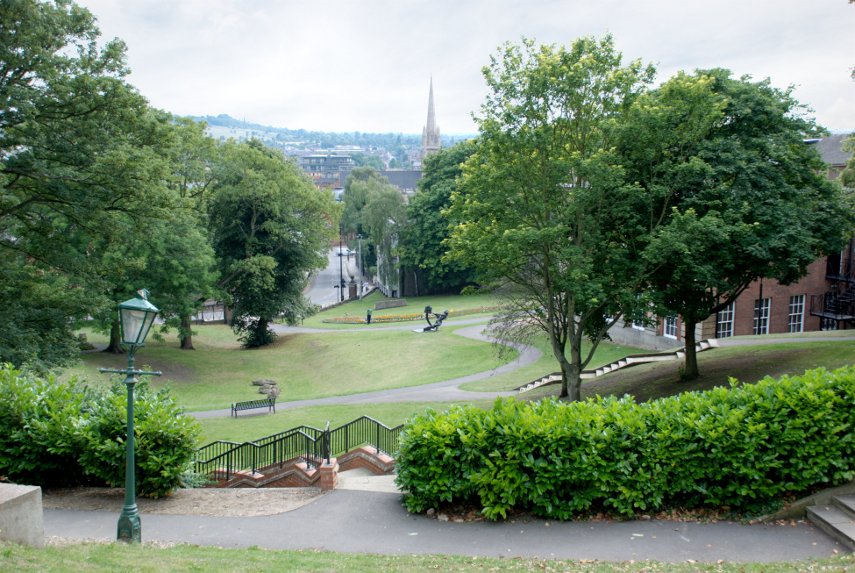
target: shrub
164 438
741 447
39 429
63 434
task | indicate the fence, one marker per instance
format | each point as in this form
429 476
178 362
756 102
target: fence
311 445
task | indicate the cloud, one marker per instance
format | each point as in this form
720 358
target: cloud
343 65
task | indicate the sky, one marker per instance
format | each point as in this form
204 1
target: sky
366 65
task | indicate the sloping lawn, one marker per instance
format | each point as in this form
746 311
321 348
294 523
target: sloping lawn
219 372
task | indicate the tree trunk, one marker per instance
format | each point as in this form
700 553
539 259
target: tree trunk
185 333
115 345
690 370
571 380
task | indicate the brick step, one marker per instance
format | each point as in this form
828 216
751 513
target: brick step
836 519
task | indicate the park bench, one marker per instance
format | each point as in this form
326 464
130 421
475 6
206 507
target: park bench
269 403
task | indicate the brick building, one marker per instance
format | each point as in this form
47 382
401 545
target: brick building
823 300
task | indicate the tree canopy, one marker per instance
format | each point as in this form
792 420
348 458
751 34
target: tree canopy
427 227
81 165
745 196
543 205
270 228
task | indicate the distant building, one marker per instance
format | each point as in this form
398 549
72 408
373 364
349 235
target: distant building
406 180
327 171
431 141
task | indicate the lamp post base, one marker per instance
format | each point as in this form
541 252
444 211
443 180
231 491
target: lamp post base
130 527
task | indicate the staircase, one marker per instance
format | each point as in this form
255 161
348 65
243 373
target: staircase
837 519
624 362
835 306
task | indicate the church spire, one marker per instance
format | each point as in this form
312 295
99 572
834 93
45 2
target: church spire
430 133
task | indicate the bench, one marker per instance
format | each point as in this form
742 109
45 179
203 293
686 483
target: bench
268 403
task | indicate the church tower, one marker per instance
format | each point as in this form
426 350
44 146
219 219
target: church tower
430 132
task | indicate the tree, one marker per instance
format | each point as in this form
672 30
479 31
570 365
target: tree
357 189
79 159
543 205
746 198
270 227
847 177
428 228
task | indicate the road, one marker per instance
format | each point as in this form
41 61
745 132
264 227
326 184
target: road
322 286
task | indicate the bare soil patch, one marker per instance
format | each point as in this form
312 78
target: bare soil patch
212 502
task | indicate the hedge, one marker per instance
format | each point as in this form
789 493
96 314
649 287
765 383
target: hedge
66 433
742 448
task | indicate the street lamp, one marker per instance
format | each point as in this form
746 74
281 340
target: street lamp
135 317
340 267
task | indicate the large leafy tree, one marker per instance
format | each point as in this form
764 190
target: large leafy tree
427 226
746 198
270 228
80 162
543 205
375 209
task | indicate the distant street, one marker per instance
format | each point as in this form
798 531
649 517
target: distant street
322 287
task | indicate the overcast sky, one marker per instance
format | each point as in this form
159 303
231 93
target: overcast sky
365 65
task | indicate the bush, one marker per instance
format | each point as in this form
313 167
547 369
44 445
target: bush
164 439
39 429
742 448
63 434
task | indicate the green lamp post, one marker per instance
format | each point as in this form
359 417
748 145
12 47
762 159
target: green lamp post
135 317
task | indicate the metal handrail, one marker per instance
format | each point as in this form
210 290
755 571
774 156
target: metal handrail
310 444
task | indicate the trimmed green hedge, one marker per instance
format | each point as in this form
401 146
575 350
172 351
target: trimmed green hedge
742 448
65 434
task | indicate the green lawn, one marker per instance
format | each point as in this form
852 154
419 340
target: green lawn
745 363
108 557
219 372
415 305
248 427
546 364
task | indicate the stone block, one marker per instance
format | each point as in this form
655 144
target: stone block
21 518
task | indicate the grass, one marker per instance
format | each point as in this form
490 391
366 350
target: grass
746 363
546 364
104 557
305 366
415 305
246 428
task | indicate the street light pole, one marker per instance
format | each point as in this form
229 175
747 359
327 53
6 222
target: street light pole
136 317
340 266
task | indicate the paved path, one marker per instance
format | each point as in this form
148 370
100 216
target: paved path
445 391
376 522
449 390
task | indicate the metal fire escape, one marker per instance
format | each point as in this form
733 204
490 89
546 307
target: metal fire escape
836 307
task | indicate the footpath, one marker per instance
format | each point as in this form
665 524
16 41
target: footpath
366 516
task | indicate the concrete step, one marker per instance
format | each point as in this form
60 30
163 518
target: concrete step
834 521
845 503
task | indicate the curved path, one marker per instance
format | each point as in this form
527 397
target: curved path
449 390
445 391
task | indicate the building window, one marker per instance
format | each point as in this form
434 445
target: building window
761 315
796 319
670 328
724 321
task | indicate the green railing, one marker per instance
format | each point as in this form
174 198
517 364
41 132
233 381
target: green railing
311 445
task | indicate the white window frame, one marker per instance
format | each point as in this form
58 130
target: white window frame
669 327
762 312
796 316
724 321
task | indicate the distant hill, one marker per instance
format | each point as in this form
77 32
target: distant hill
283 136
